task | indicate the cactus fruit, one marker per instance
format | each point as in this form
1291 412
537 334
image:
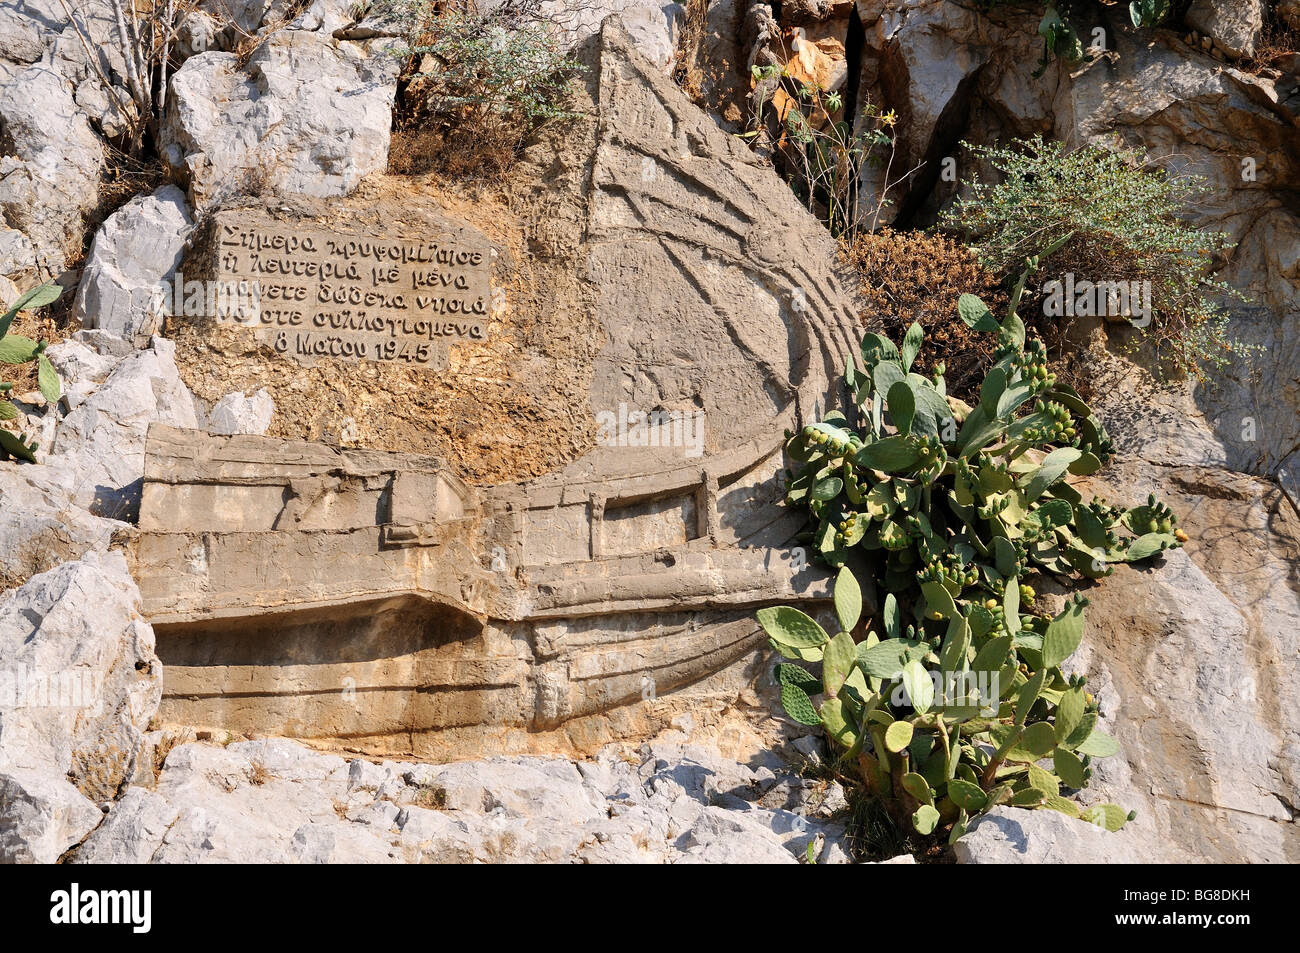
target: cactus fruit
952 716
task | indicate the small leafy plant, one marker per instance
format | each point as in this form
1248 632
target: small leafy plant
823 155
948 712
482 81
17 349
1097 214
1060 38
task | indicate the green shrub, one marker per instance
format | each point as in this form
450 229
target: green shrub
482 82
949 506
17 349
1095 213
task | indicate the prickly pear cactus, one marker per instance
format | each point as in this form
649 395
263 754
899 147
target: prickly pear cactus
16 349
961 701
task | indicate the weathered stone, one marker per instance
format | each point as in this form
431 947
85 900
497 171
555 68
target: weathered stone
657 552
1188 661
81 368
111 111
41 525
20 40
130 834
80 679
273 801
16 253
394 295
41 816
1235 27
239 413
1008 835
653 26
49 177
101 443
136 250
322 108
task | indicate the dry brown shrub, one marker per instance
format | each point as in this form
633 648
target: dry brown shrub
918 276
1278 48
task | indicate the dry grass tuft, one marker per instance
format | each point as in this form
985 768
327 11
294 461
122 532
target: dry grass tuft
918 276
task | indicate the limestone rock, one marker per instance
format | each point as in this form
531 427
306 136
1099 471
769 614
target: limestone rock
1189 658
41 816
239 413
926 50
41 525
135 251
112 112
1008 835
136 824
101 442
652 25
20 40
82 368
16 253
307 115
1235 27
274 801
81 679
50 177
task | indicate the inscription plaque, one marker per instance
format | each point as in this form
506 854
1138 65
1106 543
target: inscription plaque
385 297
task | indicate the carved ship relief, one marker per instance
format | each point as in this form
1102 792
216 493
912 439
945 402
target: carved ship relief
372 600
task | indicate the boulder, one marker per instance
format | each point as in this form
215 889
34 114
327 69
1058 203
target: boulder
135 252
82 368
41 816
1008 835
81 679
1234 27
239 413
20 40
41 524
307 115
101 442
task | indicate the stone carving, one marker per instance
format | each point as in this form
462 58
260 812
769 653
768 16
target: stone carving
372 599
311 293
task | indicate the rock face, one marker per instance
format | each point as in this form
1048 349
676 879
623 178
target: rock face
1234 27
654 26
134 252
49 176
51 107
1190 663
41 525
79 685
557 613
78 690
276 802
101 442
41 816
307 115
238 413
1006 835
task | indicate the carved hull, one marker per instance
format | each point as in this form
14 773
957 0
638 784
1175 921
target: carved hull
371 599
